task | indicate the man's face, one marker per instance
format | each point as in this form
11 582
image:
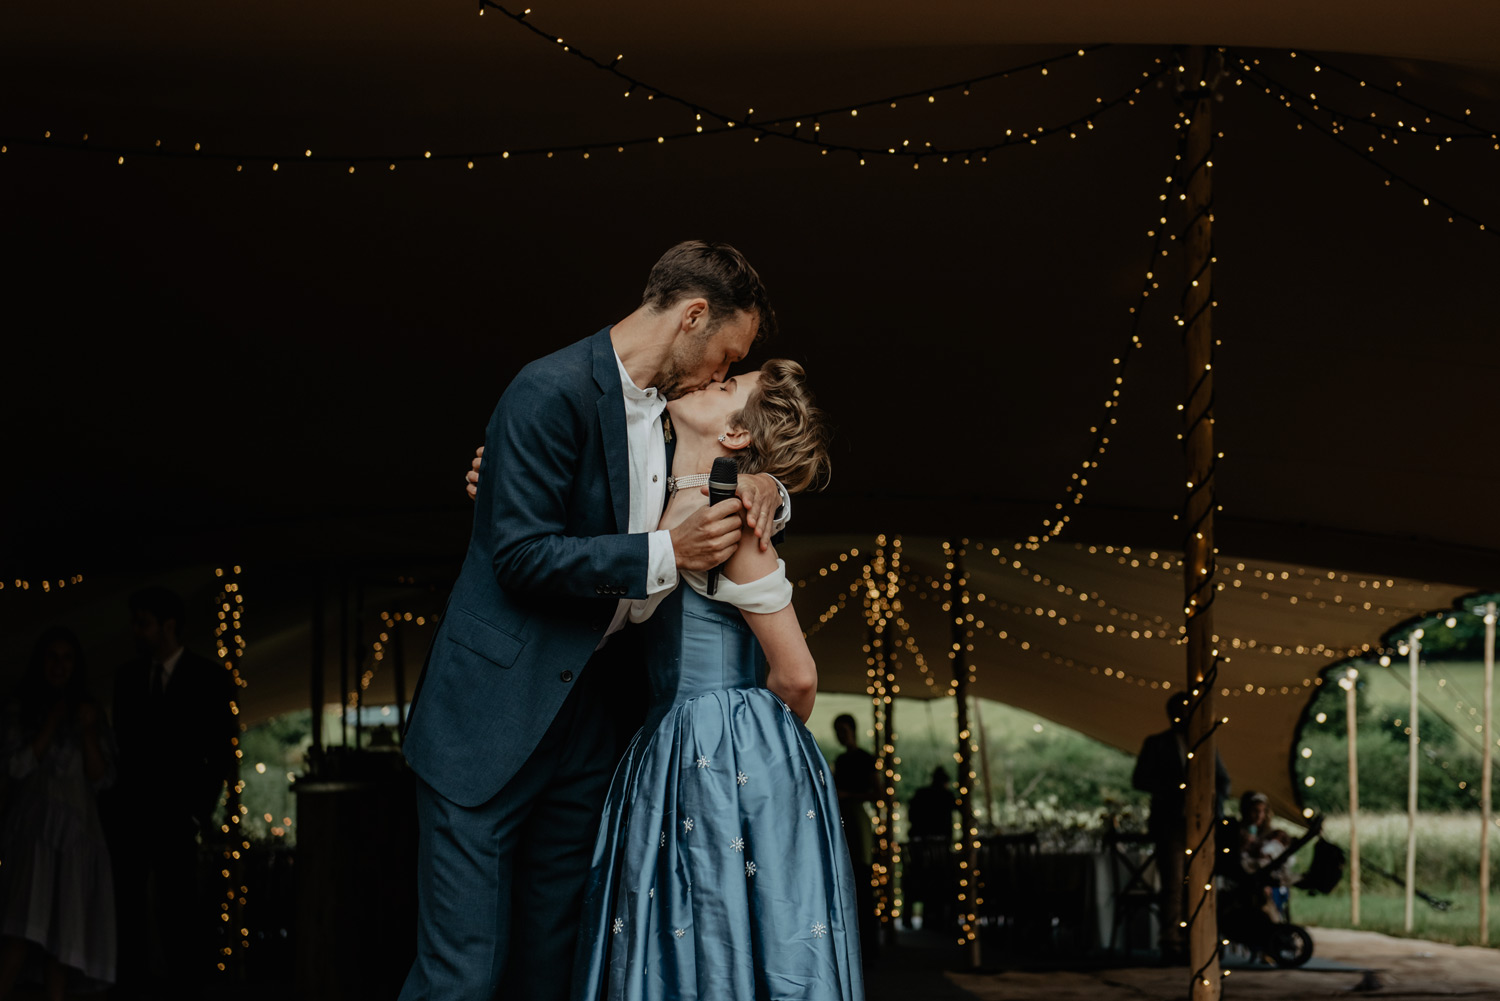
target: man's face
696 360
844 733
153 638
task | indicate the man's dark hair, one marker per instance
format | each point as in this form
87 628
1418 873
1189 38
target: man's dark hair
161 603
718 273
845 720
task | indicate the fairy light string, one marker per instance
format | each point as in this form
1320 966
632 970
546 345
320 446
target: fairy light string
1454 213
1391 133
46 584
955 586
774 127
788 128
1321 62
229 642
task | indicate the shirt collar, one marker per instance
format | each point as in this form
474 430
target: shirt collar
632 391
170 663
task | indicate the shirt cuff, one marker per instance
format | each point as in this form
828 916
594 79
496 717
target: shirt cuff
783 514
661 566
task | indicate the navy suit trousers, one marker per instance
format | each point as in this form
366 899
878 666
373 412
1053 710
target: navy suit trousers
499 885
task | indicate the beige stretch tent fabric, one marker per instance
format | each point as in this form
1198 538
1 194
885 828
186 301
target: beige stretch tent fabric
1108 685
1064 635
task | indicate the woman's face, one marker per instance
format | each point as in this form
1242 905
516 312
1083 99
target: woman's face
707 411
1260 813
58 666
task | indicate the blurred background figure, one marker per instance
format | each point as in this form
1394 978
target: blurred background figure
925 878
1253 845
1161 770
857 783
56 891
175 725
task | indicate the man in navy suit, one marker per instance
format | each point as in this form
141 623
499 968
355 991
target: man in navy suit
511 730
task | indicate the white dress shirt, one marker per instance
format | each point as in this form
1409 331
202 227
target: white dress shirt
167 667
648 489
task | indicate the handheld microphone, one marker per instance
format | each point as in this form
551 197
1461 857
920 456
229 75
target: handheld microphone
723 481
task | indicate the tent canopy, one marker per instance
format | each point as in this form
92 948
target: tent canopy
288 368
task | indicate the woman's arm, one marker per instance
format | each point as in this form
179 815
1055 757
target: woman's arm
95 766
792 675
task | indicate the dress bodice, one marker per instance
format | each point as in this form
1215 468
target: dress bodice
697 645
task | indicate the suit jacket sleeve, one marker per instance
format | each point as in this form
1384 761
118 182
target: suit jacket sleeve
538 437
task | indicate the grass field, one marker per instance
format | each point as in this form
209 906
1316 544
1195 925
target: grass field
1447 868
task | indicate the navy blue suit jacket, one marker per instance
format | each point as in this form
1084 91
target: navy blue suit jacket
547 563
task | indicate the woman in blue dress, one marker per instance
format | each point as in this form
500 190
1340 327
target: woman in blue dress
720 872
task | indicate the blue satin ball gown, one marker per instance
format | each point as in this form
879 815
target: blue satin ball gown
720 872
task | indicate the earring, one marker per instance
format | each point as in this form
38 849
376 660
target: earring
722 437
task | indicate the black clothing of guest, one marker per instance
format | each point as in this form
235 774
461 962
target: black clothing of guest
175 737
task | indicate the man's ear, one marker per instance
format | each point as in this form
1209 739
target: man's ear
694 316
736 439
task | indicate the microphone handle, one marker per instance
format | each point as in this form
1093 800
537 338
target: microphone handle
721 486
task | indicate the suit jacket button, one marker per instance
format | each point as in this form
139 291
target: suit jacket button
567 675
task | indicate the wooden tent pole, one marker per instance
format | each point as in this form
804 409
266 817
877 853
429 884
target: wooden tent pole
1486 774
1202 787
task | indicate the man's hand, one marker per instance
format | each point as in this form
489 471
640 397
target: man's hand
471 478
760 498
708 536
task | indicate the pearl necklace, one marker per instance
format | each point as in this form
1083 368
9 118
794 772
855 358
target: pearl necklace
676 483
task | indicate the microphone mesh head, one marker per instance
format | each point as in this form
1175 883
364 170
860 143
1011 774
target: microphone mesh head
726 473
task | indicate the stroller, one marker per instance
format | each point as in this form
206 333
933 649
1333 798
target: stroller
1244 903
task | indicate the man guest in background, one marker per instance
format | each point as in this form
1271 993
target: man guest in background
175 725
858 783
1160 770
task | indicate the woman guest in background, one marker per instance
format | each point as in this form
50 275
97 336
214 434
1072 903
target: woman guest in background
720 870
56 894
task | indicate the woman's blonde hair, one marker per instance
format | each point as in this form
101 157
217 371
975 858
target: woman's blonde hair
788 434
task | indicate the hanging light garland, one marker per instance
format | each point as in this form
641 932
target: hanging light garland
45 585
706 122
777 127
229 642
1320 62
1453 213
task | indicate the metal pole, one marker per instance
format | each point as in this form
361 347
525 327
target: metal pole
1415 649
1486 775
1351 714
1198 546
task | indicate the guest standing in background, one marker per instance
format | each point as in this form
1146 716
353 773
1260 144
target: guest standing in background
929 851
175 724
1161 769
857 782
56 892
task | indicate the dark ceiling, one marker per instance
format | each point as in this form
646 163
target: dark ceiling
209 364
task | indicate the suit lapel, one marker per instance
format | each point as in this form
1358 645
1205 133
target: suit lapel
612 427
